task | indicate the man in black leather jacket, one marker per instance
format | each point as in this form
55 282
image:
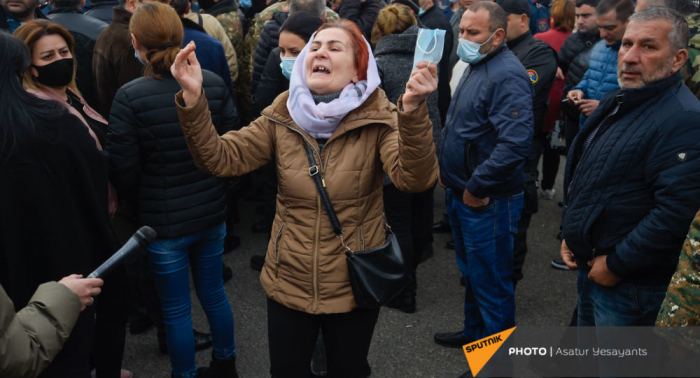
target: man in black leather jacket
540 61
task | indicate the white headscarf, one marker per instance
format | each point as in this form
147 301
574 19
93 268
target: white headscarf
321 120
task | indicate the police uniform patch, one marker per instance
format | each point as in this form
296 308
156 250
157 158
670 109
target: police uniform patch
534 77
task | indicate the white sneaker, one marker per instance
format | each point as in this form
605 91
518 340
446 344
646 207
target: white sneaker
547 193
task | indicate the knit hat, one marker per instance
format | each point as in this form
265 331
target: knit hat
413 4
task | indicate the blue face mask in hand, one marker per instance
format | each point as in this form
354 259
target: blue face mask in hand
468 51
429 46
287 65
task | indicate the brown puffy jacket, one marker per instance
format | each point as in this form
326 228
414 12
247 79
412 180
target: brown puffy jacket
305 266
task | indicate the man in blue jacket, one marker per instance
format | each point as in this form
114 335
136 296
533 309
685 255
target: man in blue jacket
631 180
486 139
601 77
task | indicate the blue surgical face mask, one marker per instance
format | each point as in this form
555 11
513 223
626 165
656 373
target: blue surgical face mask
421 11
468 51
136 54
287 65
246 3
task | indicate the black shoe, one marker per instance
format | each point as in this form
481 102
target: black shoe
227 273
559 264
427 254
139 324
450 244
263 226
257 262
441 227
451 339
468 374
220 369
405 302
462 281
231 242
201 341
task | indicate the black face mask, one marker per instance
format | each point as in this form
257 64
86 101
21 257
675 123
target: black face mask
55 74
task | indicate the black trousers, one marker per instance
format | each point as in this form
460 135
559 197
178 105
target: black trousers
550 167
410 216
292 337
530 207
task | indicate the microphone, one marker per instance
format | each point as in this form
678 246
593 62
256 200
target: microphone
141 239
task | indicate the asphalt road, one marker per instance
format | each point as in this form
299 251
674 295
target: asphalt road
403 343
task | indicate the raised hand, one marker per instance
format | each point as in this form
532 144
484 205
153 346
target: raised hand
423 81
189 76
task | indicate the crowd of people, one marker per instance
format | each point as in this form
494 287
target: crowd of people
120 114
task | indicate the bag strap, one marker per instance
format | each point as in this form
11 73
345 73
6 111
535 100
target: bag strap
321 187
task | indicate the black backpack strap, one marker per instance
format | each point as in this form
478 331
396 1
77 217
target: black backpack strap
201 22
315 174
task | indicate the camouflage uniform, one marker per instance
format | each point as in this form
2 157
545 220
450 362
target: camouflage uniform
691 70
231 22
681 308
245 65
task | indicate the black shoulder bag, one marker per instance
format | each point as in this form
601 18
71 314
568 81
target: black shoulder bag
376 275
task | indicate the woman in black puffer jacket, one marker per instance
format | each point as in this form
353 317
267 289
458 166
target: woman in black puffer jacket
151 164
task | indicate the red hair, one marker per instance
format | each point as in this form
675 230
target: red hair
358 42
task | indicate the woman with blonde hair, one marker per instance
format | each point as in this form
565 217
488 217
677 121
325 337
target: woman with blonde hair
335 115
409 214
151 165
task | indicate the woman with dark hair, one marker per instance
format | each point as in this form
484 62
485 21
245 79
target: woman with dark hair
409 214
151 165
335 109
54 200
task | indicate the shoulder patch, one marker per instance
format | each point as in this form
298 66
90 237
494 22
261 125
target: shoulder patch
543 24
534 77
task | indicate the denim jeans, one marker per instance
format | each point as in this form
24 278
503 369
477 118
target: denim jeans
484 250
625 305
170 260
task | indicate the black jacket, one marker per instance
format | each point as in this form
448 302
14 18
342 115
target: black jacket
269 39
575 55
54 219
634 192
102 9
433 18
364 14
540 61
85 31
150 162
272 83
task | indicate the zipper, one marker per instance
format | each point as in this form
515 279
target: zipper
277 254
317 228
362 238
447 126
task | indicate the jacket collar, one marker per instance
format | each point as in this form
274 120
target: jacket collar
4 25
636 96
223 6
121 16
374 110
65 10
492 54
514 42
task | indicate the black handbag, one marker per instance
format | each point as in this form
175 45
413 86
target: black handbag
376 275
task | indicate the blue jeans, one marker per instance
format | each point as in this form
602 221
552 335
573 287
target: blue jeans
484 249
625 305
170 260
